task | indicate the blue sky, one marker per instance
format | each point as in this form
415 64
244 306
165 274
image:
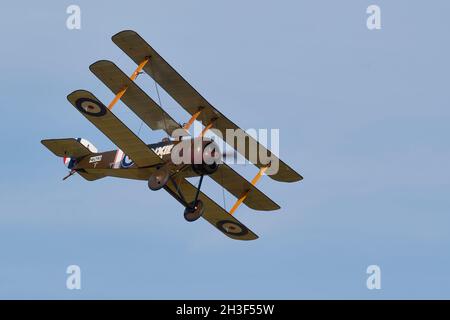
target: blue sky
363 116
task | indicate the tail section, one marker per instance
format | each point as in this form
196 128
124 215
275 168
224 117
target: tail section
72 150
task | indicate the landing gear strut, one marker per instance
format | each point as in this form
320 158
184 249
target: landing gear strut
193 210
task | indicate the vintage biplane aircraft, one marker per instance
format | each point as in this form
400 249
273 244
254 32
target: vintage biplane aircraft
136 160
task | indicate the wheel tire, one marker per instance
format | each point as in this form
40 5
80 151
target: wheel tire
194 212
158 179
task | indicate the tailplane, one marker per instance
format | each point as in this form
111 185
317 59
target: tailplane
72 150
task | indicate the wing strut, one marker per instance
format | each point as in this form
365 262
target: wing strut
207 128
258 176
245 194
191 121
132 77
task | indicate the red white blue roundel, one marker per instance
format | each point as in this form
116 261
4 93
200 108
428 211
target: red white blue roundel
90 107
126 162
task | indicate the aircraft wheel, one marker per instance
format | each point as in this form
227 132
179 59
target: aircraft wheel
193 212
158 179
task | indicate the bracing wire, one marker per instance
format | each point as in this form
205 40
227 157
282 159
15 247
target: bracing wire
142 122
140 127
162 112
223 191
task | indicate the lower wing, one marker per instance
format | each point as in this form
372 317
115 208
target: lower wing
214 214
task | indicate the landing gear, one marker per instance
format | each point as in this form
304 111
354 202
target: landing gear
194 211
159 178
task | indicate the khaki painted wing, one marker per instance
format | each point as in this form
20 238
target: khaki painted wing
134 97
238 185
189 98
214 214
69 147
100 116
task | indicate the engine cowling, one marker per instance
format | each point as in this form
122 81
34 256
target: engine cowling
202 154
205 156
205 168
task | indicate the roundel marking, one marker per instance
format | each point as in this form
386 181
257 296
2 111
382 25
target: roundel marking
126 162
90 107
232 228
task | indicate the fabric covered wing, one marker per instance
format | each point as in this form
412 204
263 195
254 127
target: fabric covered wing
174 84
100 116
134 97
214 214
238 185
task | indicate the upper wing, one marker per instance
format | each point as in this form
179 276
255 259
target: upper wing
237 185
169 79
70 147
113 128
213 213
135 98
